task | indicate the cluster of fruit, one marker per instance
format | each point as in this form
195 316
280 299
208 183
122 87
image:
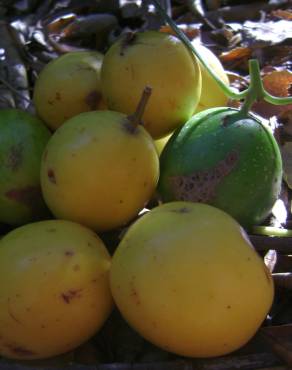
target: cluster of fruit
184 274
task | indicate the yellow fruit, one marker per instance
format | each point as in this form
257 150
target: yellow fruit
54 288
211 94
98 170
186 277
160 61
67 86
160 143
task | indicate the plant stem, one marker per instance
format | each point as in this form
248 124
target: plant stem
136 118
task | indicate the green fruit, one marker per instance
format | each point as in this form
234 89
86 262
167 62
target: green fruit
158 60
220 159
186 277
54 288
99 170
23 138
68 86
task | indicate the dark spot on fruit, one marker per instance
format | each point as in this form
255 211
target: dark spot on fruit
71 294
89 244
19 350
76 268
200 186
248 259
27 309
69 253
51 176
121 201
43 326
127 41
92 99
58 96
181 210
134 293
14 157
31 196
94 280
145 184
11 314
51 230
228 307
50 102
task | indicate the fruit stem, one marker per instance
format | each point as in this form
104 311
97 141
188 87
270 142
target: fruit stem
136 118
257 87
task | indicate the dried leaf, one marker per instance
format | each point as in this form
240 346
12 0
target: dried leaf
283 14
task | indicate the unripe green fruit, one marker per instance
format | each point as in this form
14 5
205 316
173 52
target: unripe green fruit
231 163
23 138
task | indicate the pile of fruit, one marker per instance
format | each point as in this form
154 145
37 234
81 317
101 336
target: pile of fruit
140 141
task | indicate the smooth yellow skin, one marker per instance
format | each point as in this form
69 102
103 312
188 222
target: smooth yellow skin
160 143
67 86
211 94
96 172
54 288
187 279
162 62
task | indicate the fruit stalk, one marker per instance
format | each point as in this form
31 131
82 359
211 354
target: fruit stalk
136 118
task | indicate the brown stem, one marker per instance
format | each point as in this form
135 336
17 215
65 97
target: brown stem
136 118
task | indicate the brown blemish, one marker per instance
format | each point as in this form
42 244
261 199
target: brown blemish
29 195
181 210
200 186
51 176
50 102
58 96
71 294
51 230
228 307
19 350
76 268
14 157
43 326
127 41
134 293
14 318
69 253
92 99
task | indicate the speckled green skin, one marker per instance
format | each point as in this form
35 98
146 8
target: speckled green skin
233 164
22 140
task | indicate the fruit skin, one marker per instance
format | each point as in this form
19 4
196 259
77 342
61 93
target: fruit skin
211 94
54 290
186 277
97 171
234 166
68 86
22 140
160 143
160 61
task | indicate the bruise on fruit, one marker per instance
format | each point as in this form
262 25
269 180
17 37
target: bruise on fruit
58 96
127 41
29 196
93 99
51 176
69 253
11 314
14 157
200 186
19 350
134 293
71 294
181 210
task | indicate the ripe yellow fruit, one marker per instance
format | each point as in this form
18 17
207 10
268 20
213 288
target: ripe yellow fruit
211 94
158 60
186 277
54 288
67 86
98 170
160 143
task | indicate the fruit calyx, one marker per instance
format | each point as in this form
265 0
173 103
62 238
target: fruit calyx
135 119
